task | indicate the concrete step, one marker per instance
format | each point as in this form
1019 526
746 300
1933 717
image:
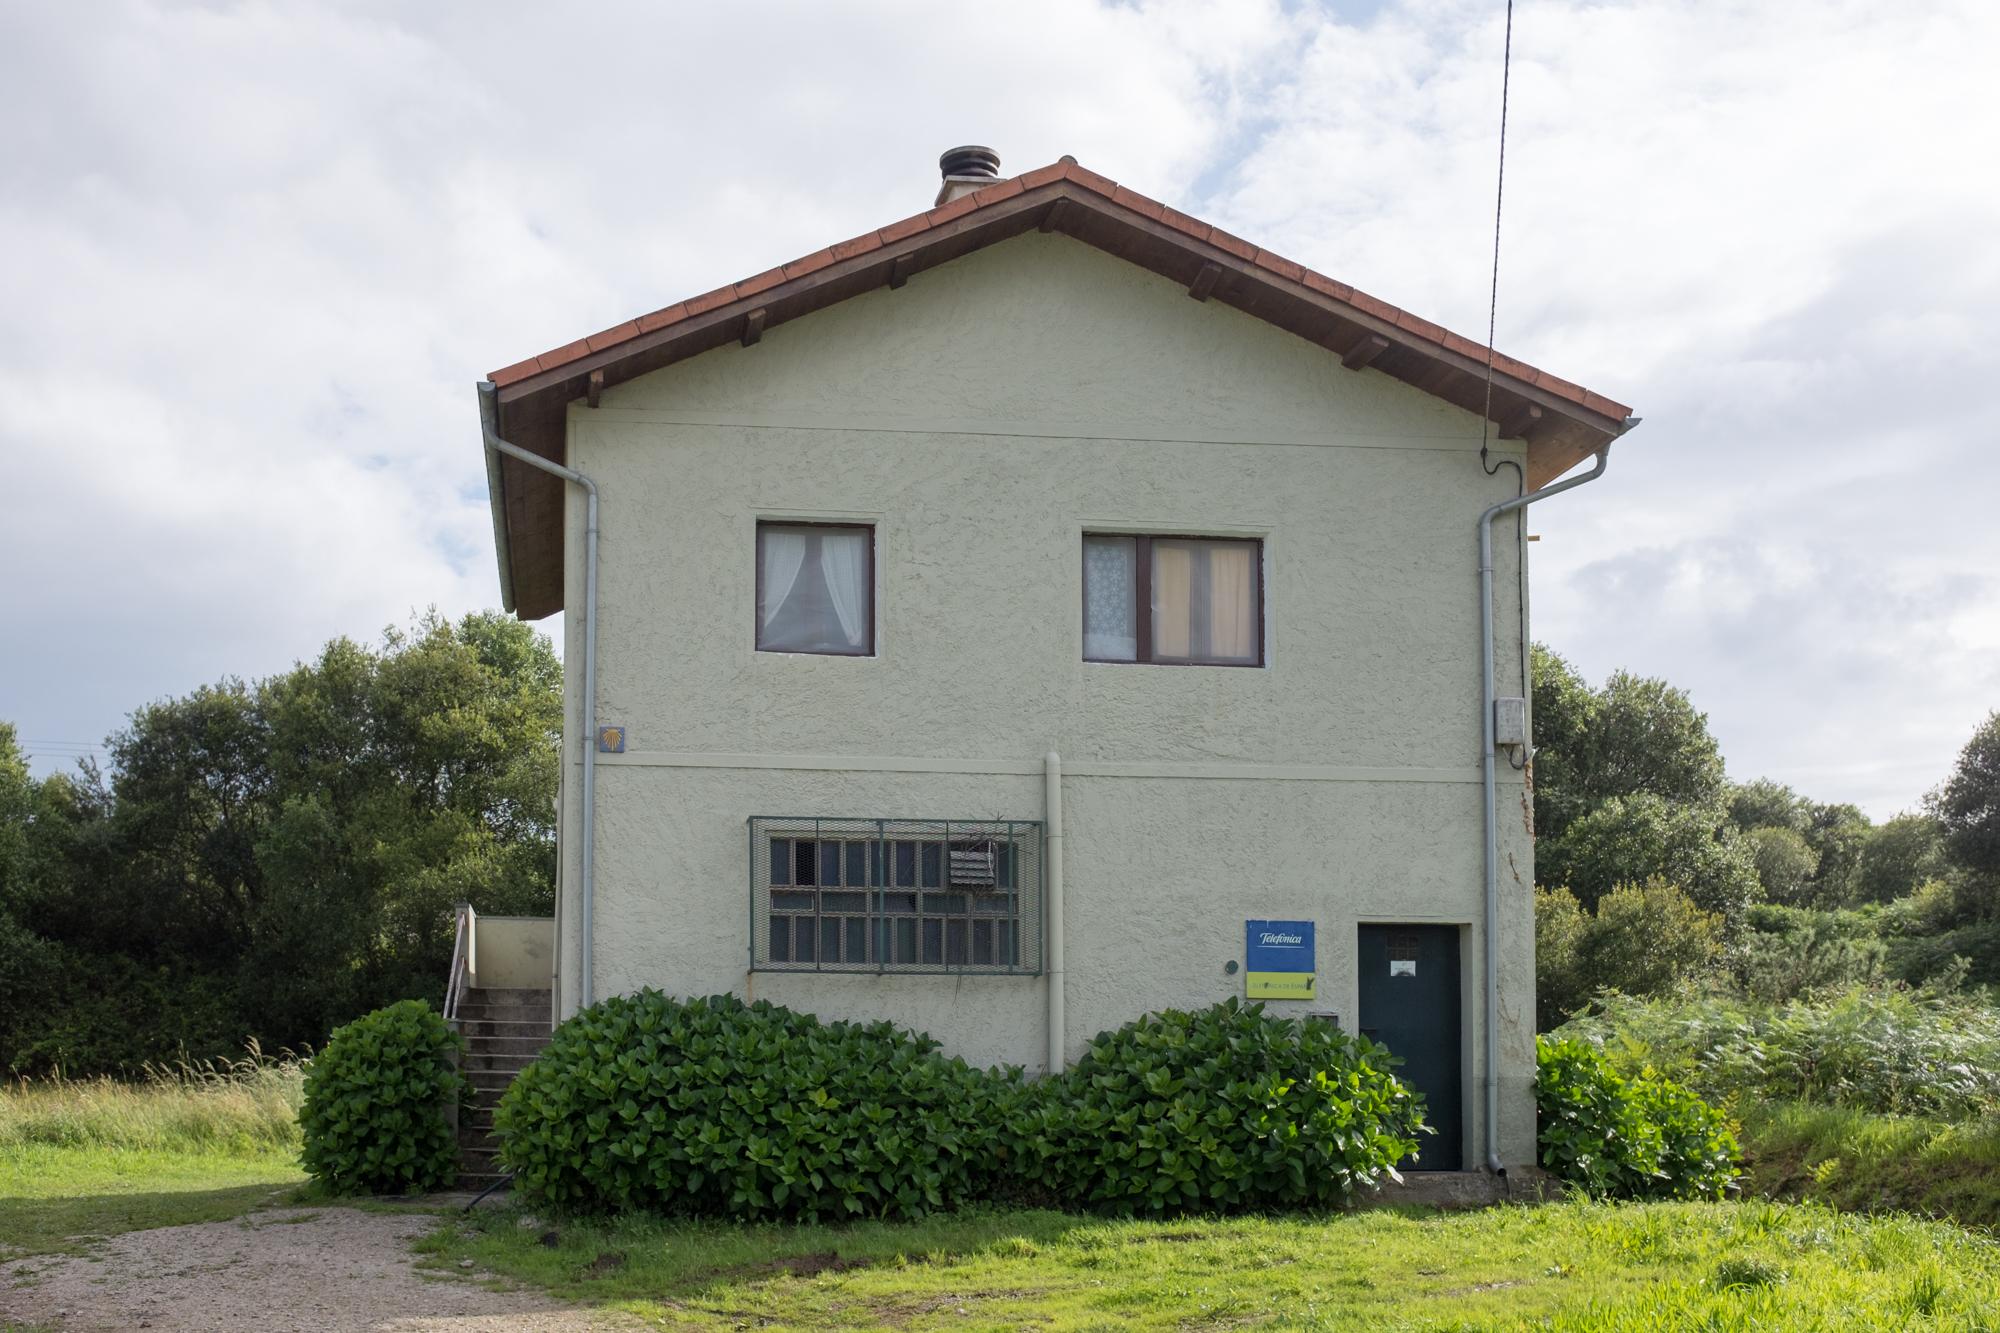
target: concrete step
474 1029
489 1075
505 1013
488 1084
481 1062
1462 1189
479 1161
524 1046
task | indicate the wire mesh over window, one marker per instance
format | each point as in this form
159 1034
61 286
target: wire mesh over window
896 895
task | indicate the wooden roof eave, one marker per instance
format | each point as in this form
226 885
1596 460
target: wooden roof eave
1559 431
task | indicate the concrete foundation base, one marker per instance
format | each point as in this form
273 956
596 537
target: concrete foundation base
1464 1189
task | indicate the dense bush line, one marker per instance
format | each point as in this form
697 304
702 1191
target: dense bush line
750 1110
273 858
717 1107
1883 1049
376 1100
1639 1138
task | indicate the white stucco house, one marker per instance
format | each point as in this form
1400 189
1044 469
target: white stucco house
1045 609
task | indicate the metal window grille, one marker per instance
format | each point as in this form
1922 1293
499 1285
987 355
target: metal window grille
895 895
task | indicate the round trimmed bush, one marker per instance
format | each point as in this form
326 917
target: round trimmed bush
714 1106
1638 1138
1224 1108
375 1100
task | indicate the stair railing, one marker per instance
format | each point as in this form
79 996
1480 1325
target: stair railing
464 962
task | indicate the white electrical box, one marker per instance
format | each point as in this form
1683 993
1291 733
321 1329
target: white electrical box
1510 721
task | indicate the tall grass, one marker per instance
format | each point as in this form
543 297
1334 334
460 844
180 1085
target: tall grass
249 1103
1865 1162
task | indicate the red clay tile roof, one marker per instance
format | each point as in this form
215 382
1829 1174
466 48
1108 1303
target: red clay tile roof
1562 422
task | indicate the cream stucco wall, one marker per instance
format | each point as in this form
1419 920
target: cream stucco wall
513 952
983 418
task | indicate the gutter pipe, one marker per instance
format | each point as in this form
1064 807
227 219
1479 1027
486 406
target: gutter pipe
1052 801
489 425
1488 783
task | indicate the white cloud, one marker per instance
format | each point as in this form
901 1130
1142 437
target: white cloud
252 257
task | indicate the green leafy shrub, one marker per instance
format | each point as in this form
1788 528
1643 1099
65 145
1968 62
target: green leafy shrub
1638 1138
1642 939
1224 1108
712 1106
375 1100
1786 953
718 1107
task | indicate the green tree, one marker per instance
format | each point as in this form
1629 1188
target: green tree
1649 738
1636 735
274 859
1899 856
1785 863
1762 803
1565 710
1838 835
1643 939
1967 805
1643 837
30 968
1560 986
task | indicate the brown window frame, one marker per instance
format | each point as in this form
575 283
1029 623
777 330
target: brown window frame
867 647
1142 591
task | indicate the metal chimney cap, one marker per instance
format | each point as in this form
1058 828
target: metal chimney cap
969 160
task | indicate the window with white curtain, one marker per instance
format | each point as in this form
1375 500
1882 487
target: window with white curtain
1179 600
816 588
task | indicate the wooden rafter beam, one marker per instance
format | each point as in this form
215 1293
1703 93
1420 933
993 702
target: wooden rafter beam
1204 281
753 326
1055 217
899 271
1370 346
596 389
1517 425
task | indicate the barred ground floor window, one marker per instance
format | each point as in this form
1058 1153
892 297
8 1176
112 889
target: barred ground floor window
894 895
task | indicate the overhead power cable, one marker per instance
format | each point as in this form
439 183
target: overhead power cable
1493 293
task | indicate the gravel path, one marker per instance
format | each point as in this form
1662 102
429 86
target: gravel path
336 1269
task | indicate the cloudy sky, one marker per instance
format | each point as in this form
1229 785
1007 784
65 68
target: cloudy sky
253 258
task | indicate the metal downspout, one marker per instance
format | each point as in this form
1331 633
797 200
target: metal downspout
1488 784
489 425
1052 798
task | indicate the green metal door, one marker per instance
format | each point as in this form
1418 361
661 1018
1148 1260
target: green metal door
1409 1003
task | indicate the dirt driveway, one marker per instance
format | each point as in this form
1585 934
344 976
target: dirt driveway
278 1270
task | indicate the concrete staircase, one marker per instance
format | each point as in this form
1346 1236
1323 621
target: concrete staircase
503 1030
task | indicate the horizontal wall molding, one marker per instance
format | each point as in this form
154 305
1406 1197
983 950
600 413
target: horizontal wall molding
766 419
1071 768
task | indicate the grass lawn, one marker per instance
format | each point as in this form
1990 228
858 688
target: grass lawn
54 1199
1560 1266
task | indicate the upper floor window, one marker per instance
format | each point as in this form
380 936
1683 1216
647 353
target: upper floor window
1183 600
816 588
